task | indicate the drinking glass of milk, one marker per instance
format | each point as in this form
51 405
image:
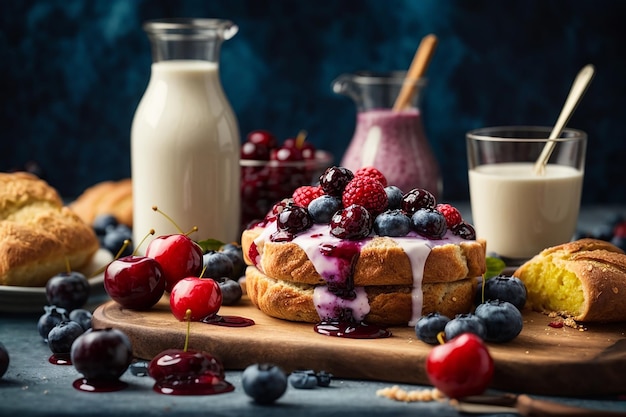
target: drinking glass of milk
518 210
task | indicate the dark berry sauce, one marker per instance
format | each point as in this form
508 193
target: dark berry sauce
253 253
89 385
60 359
201 385
351 330
228 321
346 255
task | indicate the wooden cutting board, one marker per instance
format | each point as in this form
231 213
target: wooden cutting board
541 360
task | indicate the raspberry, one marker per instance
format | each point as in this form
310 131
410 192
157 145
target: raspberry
302 196
367 192
452 215
372 173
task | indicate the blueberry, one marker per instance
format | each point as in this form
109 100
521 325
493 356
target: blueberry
231 291
61 336
503 321
235 253
82 317
52 316
505 288
114 239
429 326
139 368
322 208
323 378
465 323
429 223
68 290
265 383
394 197
104 222
392 223
4 359
303 379
217 264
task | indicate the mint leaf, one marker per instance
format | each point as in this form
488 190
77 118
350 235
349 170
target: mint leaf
210 244
495 266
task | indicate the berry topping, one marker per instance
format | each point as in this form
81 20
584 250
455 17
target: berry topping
465 231
278 208
465 323
322 208
367 192
394 223
429 223
394 197
353 223
294 219
429 326
372 173
452 215
335 179
416 199
503 321
303 196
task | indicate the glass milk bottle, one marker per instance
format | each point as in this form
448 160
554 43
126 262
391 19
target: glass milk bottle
391 140
185 137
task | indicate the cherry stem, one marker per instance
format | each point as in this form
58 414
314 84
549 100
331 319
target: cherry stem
188 318
67 265
441 338
122 249
300 139
151 232
482 289
155 208
193 230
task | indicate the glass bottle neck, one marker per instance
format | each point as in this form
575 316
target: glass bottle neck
188 39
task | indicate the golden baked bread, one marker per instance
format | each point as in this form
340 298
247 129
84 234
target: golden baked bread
107 197
38 235
282 278
584 279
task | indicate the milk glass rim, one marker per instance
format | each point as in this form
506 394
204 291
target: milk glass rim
385 77
487 134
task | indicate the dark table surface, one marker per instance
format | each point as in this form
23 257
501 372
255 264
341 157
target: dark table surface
34 387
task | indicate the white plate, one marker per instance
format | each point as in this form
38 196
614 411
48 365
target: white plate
33 299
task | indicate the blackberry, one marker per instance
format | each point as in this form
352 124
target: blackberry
429 223
353 223
392 223
294 219
335 179
322 208
416 199
464 230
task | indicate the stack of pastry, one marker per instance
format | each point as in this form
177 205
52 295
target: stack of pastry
39 237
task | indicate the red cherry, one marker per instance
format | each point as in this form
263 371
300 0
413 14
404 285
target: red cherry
461 366
188 372
178 255
135 282
262 137
255 151
286 154
202 296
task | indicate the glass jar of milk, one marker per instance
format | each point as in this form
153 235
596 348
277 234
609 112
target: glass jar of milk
185 137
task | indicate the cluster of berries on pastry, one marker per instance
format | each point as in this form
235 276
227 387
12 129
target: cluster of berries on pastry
355 204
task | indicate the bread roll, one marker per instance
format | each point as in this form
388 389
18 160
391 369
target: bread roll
38 235
107 197
584 279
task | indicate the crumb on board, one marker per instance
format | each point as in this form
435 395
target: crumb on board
561 318
418 395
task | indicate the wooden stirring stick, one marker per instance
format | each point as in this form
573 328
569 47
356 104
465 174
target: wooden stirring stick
418 67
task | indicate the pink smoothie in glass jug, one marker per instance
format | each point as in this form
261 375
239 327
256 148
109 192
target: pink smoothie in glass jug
392 141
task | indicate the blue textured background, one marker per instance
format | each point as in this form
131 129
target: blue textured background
72 73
